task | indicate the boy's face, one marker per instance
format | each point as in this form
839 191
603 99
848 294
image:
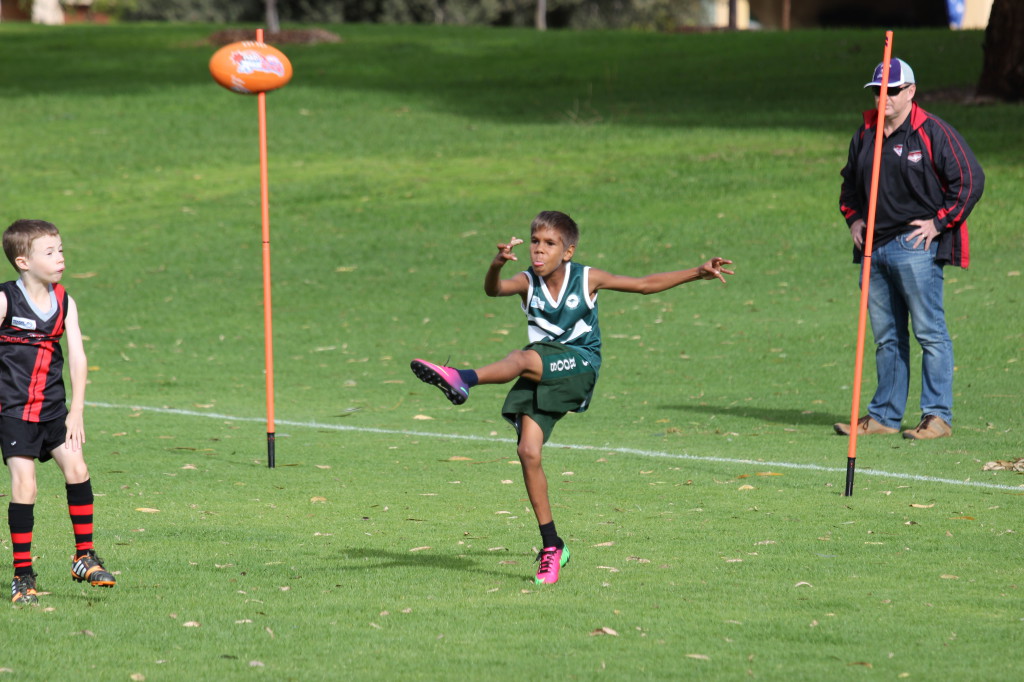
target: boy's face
547 251
45 259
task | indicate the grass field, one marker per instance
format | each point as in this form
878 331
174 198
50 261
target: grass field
701 495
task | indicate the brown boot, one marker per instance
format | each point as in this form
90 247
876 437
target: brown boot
866 426
929 428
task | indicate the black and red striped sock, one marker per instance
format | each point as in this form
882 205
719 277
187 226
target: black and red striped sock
21 519
80 503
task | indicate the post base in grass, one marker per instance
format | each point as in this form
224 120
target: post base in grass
851 464
270 450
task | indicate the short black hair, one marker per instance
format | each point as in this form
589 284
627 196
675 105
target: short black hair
560 223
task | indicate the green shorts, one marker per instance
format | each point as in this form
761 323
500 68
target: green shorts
567 385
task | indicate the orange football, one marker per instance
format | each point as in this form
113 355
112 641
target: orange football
250 67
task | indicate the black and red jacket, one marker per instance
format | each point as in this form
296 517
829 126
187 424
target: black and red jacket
938 168
31 361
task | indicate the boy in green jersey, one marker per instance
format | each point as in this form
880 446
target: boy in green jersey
557 371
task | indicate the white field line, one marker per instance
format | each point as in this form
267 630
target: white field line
762 464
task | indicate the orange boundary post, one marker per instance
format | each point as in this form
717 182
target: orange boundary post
268 314
865 285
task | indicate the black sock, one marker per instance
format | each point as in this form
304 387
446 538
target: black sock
549 536
469 376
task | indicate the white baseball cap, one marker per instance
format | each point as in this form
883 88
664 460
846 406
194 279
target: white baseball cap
900 73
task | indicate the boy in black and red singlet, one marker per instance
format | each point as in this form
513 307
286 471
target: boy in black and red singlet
35 421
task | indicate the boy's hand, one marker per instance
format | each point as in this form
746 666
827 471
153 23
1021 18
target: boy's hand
75 432
505 251
713 269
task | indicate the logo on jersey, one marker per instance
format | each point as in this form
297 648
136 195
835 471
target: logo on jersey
23 323
915 157
535 302
898 148
563 365
572 302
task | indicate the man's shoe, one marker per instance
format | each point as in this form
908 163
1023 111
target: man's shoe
89 568
445 378
929 428
866 426
551 561
23 590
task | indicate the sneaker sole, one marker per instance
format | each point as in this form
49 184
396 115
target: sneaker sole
95 582
844 430
429 376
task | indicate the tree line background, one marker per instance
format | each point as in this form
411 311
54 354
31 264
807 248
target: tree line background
581 14
1002 76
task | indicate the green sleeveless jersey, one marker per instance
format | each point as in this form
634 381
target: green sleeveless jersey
568 316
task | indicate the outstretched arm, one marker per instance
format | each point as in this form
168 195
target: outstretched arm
652 284
494 285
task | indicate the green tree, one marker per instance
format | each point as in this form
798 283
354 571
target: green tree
1002 75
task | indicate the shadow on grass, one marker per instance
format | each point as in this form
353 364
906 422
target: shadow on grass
377 559
776 416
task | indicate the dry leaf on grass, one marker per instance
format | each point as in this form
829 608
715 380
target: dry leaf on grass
922 506
1005 465
422 417
147 510
419 549
699 657
604 631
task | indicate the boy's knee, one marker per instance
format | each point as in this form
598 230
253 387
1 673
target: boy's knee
79 473
519 357
528 364
529 454
23 488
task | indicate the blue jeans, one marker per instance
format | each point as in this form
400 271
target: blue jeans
907 285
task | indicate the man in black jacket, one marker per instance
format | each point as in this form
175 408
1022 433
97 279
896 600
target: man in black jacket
929 181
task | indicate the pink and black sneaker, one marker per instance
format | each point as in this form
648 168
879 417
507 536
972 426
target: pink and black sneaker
551 561
445 378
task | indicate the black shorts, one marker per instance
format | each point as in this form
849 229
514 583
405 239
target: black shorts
19 438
